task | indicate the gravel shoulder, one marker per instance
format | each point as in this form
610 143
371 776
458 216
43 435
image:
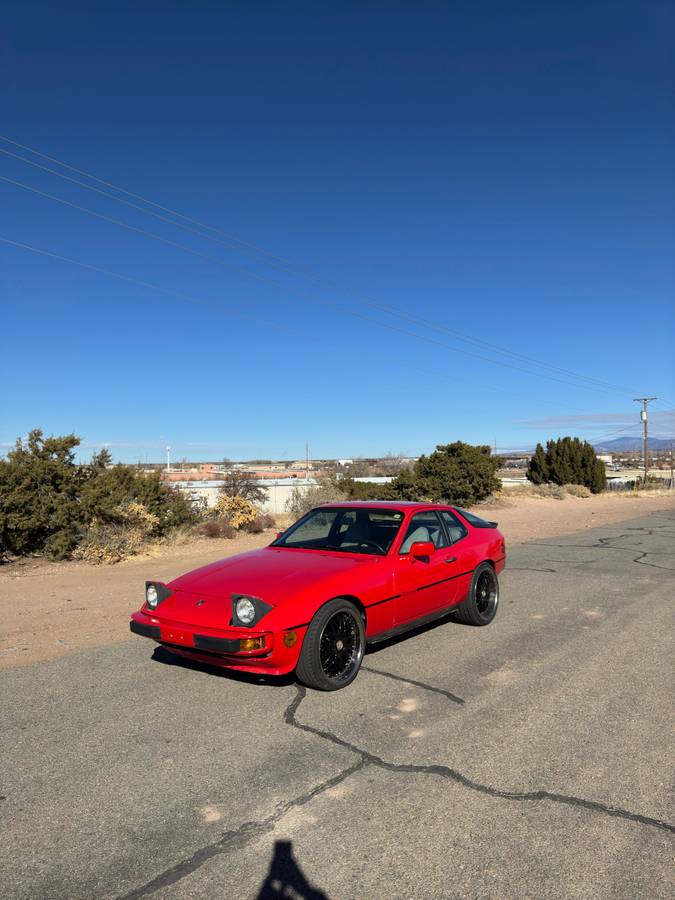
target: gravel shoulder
51 609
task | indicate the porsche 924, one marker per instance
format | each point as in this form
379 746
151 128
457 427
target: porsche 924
343 576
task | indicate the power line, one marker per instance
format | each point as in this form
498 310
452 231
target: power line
139 282
286 265
389 310
136 196
182 295
301 295
620 431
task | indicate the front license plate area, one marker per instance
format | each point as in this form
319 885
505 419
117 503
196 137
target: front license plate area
177 636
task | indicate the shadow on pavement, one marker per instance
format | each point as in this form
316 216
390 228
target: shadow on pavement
285 878
162 655
167 658
447 619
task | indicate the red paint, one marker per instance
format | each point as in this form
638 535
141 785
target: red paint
393 590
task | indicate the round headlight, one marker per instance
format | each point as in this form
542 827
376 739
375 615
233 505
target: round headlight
245 611
151 596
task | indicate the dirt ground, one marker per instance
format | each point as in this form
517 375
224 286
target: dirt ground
50 609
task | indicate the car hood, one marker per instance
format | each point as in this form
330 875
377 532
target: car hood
273 574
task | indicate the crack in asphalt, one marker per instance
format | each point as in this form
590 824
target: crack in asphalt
453 775
238 837
427 687
247 832
606 543
639 559
601 545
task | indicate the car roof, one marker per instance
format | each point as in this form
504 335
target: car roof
383 504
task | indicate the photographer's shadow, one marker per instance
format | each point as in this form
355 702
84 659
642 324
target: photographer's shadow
285 878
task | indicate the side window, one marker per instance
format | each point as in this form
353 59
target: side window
424 526
456 531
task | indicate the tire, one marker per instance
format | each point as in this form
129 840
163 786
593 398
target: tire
480 607
333 647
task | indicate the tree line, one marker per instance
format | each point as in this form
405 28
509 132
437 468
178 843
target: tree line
103 512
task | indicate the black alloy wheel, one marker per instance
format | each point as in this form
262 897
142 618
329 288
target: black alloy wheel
333 647
480 607
339 645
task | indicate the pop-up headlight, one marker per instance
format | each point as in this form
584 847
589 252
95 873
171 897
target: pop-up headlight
155 592
247 611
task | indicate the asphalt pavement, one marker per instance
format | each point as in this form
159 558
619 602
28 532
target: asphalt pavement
531 758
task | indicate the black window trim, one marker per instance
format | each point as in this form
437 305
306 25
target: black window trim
419 512
482 523
453 511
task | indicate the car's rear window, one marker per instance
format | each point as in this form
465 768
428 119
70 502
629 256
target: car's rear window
476 521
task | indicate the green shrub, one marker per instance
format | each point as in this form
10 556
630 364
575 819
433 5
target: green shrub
39 495
49 504
457 473
368 490
119 538
106 490
567 461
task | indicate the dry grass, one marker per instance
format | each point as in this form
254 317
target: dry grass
578 490
544 491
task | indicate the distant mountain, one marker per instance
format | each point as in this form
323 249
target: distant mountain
634 444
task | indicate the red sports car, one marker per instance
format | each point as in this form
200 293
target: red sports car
344 575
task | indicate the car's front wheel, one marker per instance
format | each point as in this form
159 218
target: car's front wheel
480 607
333 647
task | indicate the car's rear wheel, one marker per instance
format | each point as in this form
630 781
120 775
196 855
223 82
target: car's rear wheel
480 607
333 647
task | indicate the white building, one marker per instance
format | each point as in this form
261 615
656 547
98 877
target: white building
375 479
279 491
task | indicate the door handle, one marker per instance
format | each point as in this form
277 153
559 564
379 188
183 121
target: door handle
450 559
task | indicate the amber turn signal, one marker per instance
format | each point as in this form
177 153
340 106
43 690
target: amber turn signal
252 643
290 638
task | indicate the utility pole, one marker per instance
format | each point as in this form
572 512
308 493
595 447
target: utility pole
168 458
645 441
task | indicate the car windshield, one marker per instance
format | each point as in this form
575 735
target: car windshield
347 530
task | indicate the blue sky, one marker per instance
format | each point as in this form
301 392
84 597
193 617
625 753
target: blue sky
498 172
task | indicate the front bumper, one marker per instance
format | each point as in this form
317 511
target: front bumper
222 647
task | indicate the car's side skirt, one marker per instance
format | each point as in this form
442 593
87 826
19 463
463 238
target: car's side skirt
412 624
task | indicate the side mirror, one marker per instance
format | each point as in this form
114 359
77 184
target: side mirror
278 535
422 550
